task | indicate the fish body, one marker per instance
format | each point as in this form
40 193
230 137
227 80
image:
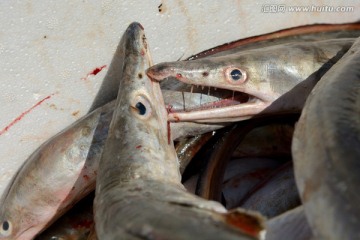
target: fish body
139 194
291 224
326 151
277 79
274 195
242 175
76 224
304 33
54 178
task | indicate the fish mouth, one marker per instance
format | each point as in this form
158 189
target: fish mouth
211 104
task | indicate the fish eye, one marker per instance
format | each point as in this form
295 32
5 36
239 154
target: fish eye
235 75
141 107
6 228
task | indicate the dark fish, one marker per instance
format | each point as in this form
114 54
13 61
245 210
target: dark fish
326 151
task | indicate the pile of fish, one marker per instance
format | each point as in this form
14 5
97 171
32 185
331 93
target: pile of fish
255 139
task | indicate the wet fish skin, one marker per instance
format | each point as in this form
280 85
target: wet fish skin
304 33
292 225
76 224
269 141
54 178
274 195
242 175
326 151
138 191
266 75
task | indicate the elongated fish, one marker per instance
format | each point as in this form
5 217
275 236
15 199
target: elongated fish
326 151
304 33
277 79
138 190
63 169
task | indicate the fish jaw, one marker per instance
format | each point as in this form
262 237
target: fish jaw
224 114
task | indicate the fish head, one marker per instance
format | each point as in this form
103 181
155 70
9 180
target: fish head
238 77
139 126
17 221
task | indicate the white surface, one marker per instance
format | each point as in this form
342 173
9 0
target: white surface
83 35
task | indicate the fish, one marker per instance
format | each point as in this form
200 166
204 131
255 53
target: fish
242 175
326 151
269 141
292 224
211 177
56 176
274 83
63 169
139 194
274 195
76 224
314 32
187 148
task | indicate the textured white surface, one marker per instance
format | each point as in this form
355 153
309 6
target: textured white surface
47 48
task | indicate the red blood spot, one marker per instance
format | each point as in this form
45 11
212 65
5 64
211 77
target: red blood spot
86 177
138 146
23 114
169 108
178 75
142 52
94 72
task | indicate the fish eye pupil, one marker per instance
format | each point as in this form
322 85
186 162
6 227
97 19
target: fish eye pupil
236 74
5 225
141 108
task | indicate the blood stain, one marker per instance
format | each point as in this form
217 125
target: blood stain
94 72
24 113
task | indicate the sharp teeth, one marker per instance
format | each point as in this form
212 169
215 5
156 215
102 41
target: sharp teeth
202 87
233 95
215 88
192 89
183 96
209 92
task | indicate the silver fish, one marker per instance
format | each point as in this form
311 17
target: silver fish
304 33
289 225
63 169
138 190
277 79
242 175
326 151
274 195
76 224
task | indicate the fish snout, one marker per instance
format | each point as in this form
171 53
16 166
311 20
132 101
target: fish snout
159 72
